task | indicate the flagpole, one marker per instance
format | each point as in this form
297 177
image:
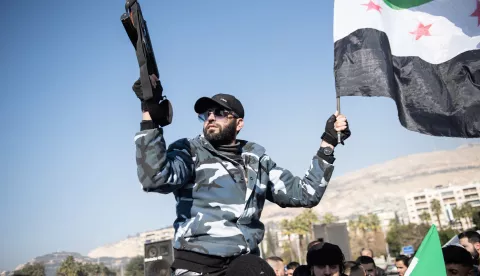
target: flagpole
339 134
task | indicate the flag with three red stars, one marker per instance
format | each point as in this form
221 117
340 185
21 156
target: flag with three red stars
423 54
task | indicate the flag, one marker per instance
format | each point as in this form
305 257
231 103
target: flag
429 257
423 54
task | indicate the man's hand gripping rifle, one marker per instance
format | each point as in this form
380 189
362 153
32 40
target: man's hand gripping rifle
148 87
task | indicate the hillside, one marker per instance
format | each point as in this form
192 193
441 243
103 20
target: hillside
383 186
131 247
53 261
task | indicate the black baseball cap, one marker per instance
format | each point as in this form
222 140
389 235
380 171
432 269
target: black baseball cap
325 254
226 101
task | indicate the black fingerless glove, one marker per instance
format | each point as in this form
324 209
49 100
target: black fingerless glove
330 134
137 88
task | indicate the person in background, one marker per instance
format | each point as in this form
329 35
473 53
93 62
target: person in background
312 243
277 264
369 253
368 264
366 252
326 259
458 261
357 270
470 240
291 268
348 266
302 270
402 262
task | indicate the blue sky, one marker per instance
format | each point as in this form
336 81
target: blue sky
69 116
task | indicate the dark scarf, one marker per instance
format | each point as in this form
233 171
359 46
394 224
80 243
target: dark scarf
231 151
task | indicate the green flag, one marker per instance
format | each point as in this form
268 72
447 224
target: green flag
429 258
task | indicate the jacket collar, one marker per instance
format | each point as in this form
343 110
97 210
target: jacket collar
248 148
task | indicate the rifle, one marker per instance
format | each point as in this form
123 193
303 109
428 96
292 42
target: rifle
158 106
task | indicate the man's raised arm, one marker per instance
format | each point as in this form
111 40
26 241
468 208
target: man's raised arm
288 190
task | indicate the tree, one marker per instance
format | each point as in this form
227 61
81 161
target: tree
70 267
446 234
303 226
271 243
97 270
288 229
425 217
476 218
362 225
467 212
437 210
401 235
373 223
307 218
352 225
329 218
35 269
135 267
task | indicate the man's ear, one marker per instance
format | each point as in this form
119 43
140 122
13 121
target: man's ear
240 126
477 246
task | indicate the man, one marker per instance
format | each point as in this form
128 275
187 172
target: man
366 252
291 268
221 183
458 261
470 240
277 264
326 259
401 262
368 264
369 253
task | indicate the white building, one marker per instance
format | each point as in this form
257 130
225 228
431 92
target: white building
385 217
449 197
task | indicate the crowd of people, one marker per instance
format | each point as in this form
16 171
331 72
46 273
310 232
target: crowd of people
327 259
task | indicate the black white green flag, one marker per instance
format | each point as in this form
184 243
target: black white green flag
424 54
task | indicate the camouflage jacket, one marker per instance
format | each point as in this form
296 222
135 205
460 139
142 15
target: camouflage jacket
219 202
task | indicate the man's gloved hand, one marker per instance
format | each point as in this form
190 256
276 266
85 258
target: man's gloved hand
336 123
137 88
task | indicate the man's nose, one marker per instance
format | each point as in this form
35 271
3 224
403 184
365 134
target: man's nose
211 116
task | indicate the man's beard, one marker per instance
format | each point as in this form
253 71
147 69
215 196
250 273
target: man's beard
475 255
225 135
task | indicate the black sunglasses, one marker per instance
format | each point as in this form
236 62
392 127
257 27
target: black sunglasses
218 113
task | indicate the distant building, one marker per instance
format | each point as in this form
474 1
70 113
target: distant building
449 196
385 218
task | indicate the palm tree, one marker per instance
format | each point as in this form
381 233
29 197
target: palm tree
425 217
373 223
329 218
362 224
437 210
70 267
288 229
352 225
270 242
467 210
35 269
458 214
303 226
